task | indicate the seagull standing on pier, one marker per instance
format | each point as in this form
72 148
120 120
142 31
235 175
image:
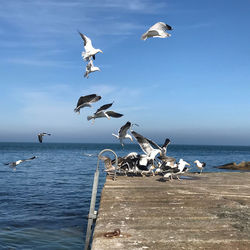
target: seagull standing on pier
123 133
40 136
15 163
157 30
200 165
85 101
102 113
90 51
90 68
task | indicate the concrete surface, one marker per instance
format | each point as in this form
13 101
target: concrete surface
207 211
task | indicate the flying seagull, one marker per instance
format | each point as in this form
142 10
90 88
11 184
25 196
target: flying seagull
157 30
40 136
85 101
146 146
102 113
123 133
200 165
90 51
90 68
15 163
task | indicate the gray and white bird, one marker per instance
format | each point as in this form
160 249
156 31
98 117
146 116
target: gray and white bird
90 68
123 133
102 113
179 169
86 101
15 163
40 136
200 165
90 51
146 146
157 30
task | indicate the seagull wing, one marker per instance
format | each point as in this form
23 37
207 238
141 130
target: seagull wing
104 107
160 26
29 159
123 130
86 99
114 114
40 138
87 42
143 142
154 144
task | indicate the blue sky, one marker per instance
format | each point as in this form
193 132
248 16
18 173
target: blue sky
192 87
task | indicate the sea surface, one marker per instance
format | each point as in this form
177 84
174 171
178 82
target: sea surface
44 203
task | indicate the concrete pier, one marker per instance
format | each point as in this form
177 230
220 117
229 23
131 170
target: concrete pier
207 211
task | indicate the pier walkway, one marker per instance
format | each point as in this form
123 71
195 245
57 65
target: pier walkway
207 211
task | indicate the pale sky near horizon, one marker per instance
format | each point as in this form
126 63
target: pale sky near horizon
192 87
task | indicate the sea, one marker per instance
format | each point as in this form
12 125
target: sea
44 203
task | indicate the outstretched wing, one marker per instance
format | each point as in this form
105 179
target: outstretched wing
167 141
88 98
104 107
30 159
40 138
154 144
124 128
160 26
87 42
114 114
143 142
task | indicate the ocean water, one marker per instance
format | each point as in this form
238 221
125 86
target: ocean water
44 203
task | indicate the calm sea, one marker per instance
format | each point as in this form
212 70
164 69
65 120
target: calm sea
45 202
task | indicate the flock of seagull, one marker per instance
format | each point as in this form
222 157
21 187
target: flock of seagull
154 159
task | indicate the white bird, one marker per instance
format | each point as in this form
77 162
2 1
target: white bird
123 133
40 136
146 146
90 51
200 165
102 113
15 163
157 30
90 68
85 101
179 169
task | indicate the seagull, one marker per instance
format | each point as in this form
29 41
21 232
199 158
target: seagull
85 101
123 133
102 113
90 68
107 163
15 163
40 136
177 170
157 30
90 51
146 146
200 165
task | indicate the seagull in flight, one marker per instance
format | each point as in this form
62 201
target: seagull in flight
146 146
85 101
101 112
200 165
90 51
123 133
40 136
157 30
15 163
90 68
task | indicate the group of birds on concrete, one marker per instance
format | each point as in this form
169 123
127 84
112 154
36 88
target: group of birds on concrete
153 161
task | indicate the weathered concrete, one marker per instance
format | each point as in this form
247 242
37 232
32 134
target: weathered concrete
209 211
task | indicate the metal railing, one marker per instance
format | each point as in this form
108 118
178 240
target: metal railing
92 213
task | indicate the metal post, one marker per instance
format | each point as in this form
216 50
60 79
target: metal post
92 213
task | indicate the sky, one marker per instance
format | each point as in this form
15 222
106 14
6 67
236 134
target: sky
192 87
